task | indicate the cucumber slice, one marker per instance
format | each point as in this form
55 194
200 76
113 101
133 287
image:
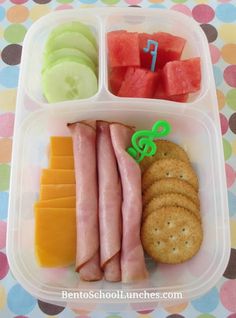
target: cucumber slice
74 26
74 40
52 57
67 79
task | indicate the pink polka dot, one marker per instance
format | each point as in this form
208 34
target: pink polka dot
19 1
203 13
224 124
4 268
64 7
230 75
228 295
144 308
3 231
230 175
133 2
6 124
215 53
182 8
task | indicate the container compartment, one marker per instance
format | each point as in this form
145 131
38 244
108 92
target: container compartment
162 21
34 43
191 128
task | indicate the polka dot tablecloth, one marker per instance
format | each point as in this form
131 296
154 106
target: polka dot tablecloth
218 20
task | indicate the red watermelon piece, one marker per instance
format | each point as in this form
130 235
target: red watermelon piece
138 83
170 48
160 91
116 77
123 48
182 77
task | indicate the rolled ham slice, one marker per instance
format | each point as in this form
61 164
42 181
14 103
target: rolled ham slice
133 266
109 204
87 226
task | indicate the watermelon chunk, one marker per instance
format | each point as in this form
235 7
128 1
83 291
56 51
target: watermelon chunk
170 48
116 77
182 77
138 83
160 91
123 48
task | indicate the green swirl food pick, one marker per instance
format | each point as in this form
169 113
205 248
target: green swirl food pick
142 140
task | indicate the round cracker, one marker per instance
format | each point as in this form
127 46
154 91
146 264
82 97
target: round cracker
171 199
169 185
169 168
165 149
171 235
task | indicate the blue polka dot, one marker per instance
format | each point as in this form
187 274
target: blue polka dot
3 205
19 301
2 13
232 203
9 76
217 75
159 6
226 12
208 302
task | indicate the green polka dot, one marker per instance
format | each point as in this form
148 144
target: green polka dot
231 98
110 1
4 177
15 33
206 316
227 149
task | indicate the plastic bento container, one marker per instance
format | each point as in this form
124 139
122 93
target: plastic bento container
195 126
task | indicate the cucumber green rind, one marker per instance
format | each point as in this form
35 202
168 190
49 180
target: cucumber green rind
68 80
74 26
68 54
74 40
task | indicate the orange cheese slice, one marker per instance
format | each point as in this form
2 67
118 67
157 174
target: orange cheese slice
61 146
57 176
55 236
68 202
54 191
61 162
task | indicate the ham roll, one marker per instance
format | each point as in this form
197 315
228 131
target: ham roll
133 266
87 251
109 204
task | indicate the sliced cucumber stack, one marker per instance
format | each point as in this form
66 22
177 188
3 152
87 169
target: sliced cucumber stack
70 63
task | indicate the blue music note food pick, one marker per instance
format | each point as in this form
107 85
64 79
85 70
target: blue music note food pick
142 141
152 52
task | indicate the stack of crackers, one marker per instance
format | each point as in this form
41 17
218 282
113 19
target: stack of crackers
171 229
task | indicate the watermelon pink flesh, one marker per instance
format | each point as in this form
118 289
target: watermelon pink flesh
160 91
123 48
138 83
170 48
182 77
116 77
